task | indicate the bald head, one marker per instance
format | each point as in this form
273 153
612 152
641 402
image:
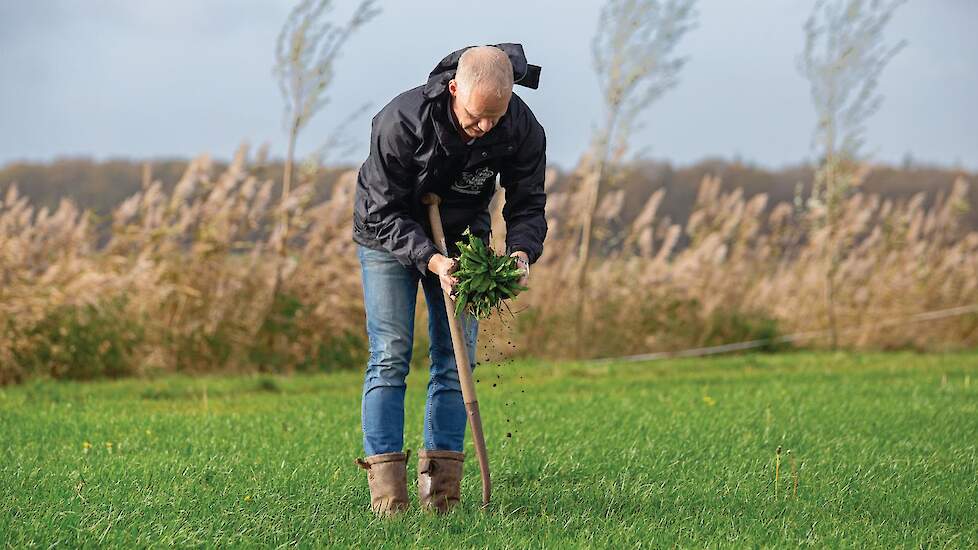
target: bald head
481 89
486 69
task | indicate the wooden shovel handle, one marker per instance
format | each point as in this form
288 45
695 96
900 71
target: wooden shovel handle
461 354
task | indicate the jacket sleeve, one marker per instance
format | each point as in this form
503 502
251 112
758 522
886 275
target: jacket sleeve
387 177
523 179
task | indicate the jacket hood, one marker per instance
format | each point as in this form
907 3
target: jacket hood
524 73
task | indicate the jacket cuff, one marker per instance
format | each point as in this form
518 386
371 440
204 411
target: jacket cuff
530 256
426 253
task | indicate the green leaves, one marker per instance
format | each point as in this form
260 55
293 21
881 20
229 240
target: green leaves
484 279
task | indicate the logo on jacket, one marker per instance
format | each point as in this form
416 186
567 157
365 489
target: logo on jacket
473 183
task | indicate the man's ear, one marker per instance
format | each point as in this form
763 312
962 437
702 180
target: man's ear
453 87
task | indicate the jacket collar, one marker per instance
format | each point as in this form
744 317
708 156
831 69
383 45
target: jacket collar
436 92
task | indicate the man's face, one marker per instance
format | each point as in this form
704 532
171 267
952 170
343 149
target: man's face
477 112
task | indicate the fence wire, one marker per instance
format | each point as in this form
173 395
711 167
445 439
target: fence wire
788 338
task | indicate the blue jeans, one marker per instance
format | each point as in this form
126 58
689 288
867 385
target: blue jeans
390 292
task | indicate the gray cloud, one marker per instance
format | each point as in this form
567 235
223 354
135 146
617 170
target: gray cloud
178 78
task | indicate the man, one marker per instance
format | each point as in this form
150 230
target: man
450 136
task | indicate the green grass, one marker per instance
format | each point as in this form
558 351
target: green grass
658 454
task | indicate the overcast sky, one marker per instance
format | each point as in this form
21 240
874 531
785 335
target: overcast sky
155 78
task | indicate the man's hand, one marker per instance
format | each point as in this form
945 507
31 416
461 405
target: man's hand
444 266
523 261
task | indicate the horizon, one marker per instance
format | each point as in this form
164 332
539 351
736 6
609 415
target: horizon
913 164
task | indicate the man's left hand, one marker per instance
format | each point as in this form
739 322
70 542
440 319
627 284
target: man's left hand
523 261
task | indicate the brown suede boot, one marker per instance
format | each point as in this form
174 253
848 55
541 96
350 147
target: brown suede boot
439 479
387 478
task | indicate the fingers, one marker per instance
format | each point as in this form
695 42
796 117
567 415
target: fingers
448 284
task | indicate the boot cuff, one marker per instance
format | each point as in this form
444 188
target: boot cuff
444 455
387 457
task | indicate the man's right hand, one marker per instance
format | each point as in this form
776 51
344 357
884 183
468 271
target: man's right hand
444 266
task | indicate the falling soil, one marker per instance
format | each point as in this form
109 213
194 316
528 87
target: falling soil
496 359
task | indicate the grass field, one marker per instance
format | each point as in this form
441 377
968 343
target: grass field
884 448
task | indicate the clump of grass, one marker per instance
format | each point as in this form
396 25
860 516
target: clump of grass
485 279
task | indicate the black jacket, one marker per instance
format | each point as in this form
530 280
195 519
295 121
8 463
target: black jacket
415 149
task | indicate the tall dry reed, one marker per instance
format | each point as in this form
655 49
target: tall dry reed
185 280
191 273
742 269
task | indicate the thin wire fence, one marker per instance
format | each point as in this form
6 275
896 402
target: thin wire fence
788 338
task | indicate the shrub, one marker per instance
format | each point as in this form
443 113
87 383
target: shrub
82 342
